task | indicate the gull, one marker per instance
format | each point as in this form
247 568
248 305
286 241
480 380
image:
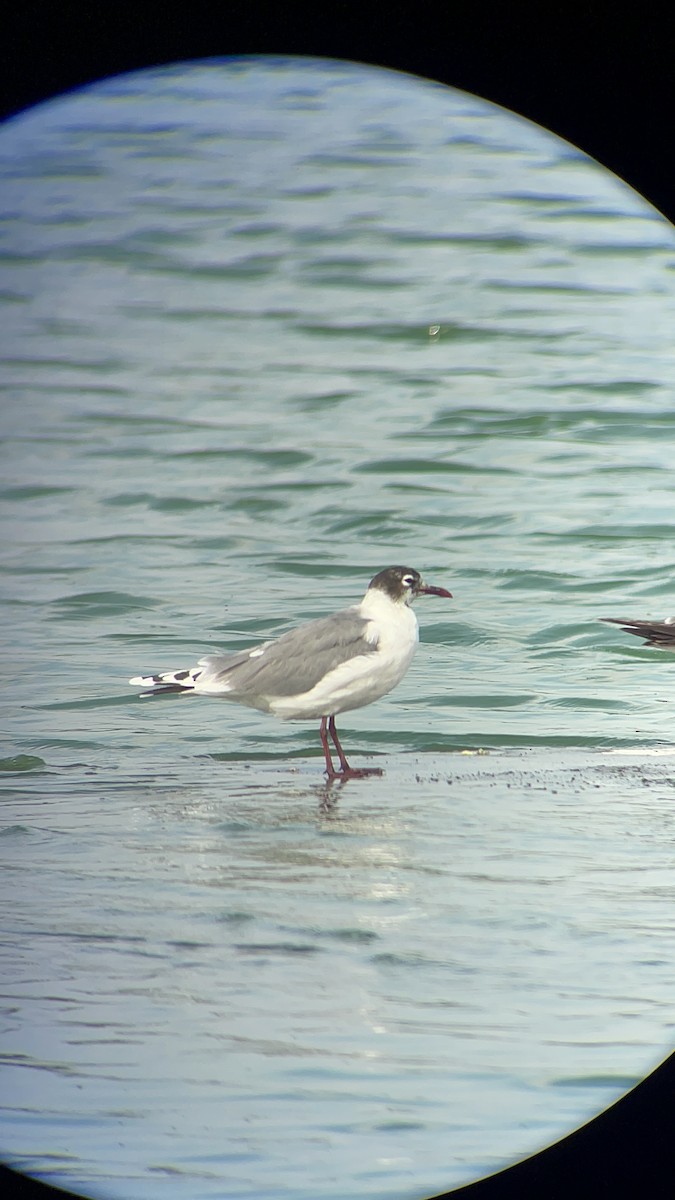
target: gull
655 633
321 668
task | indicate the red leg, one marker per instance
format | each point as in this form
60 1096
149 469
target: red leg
330 770
336 742
347 772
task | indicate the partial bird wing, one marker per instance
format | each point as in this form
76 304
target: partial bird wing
655 633
292 664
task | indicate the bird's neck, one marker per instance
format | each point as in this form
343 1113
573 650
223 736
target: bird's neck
377 605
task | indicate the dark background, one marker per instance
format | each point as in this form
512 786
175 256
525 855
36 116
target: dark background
599 74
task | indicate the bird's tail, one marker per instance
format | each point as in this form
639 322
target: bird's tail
167 681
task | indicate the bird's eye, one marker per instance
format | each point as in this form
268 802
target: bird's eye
409 580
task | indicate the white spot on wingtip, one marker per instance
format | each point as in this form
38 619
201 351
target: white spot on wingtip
256 653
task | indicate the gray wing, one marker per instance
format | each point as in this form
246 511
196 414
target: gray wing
293 663
655 633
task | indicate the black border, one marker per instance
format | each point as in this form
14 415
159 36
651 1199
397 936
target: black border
600 75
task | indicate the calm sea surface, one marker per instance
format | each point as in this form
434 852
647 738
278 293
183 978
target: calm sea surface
269 326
